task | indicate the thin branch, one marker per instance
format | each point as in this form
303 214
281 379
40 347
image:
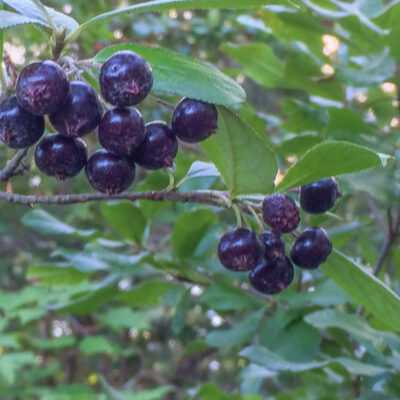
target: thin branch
375 213
8 171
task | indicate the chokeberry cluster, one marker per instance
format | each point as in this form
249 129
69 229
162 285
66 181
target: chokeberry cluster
74 110
264 256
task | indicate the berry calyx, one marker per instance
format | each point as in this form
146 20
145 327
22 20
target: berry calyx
109 173
194 121
311 248
319 197
60 156
19 128
42 87
121 130
280 213
80 114
159 147
271 277
274 245
125 79
240 250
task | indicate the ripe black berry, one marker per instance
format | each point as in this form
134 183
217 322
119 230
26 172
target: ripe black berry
60 156
109 173
280 213
121 130
158 148
19 128
81 112
194 121
125 79
272 277
319 197
274 245
42 87
311 248
240 250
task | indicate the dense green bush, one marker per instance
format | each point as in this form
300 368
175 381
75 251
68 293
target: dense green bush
123 296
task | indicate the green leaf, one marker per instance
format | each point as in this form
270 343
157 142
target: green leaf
259 62
92 345
175 73
331 159
46 223
9 341
225 297
189 230
53 275
12 362
241 332
364 288
9 19
195 347
28 8
151 394
54 343
182 307
245 162
126 219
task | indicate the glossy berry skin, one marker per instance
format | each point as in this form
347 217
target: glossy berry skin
109 173
121 130
280 213
319 197
158 148
80 114
42 87
311 248
125 79
271 277
60 156
274 245
240 250
194 121
19 128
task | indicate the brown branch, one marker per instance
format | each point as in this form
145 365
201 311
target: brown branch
8 171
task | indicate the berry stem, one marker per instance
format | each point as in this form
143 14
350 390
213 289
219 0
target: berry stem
238 216
171 183
257 218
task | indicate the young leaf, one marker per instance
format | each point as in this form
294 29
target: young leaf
175 73
364 288
244 161
330 159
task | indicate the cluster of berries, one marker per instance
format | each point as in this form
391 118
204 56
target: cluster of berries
74 110
271 271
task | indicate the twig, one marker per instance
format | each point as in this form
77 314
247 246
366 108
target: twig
8 171
375 213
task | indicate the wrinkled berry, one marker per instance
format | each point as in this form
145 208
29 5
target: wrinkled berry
274 245
311 248
194 121
81 112
109 173
125 79
60 156
121 130
272 277
42 87
19 128
240 250
319 197
280 213
158 148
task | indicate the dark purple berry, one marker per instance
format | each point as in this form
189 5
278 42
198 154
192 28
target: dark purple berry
19 128
271 277
121 130
125 79
194 121
274 245
60 156
240 250
42 87
280 213
81 112
319 197
109 173
158 148
311 248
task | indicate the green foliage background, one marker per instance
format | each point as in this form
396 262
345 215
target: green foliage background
122 300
